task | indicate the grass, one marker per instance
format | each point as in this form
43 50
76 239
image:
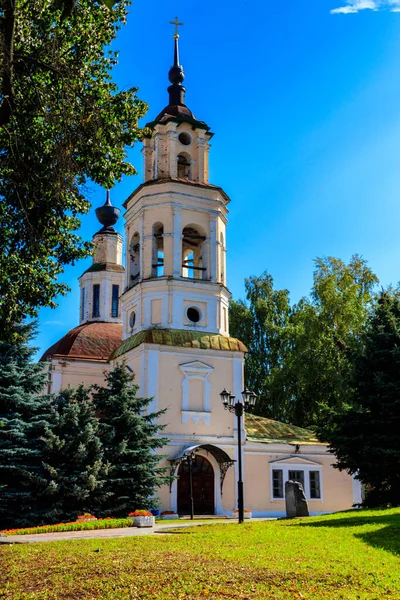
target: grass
347 556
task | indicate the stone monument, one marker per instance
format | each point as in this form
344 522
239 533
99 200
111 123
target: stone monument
295 498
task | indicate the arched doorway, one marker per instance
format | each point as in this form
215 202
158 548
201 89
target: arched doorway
203 487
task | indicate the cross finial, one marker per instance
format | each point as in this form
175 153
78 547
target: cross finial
177 24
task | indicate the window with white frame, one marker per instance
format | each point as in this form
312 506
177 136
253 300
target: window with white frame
309 475
196 392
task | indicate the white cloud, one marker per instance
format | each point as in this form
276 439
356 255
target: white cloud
354 6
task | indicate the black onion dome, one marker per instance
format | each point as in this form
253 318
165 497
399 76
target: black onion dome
108 215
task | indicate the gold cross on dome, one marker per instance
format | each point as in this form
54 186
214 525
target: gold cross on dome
177 24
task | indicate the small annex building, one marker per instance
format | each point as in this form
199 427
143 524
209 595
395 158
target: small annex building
165 314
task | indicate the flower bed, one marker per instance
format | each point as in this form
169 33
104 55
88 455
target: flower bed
169 515
81 525
142 518
86 517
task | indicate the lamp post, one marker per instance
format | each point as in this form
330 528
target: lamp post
230 403
190 458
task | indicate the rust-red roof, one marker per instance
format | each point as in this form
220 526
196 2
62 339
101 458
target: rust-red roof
91 340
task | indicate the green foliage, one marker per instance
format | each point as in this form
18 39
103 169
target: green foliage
261 323
62 121
365 435
25 415
301 358
326 337
347 556
73 457
130 437
86 449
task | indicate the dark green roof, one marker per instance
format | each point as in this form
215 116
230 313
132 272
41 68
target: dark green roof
261 429
180 338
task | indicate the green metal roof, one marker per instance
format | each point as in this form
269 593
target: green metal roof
261 429
180 338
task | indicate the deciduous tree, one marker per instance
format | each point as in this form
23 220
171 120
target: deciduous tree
64 122
326 332
261 322
300 360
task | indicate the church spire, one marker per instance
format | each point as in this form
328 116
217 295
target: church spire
176 108
176 75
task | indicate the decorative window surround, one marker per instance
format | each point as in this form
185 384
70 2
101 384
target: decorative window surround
296 463
196 370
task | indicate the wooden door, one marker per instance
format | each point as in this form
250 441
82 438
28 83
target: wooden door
203 487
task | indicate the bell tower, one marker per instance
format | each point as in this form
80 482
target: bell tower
175 300
175 227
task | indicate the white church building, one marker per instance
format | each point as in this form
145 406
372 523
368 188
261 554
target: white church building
166 315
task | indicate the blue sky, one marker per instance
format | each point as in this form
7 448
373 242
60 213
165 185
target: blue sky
304 100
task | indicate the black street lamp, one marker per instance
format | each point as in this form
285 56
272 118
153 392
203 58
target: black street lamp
190 458
229 401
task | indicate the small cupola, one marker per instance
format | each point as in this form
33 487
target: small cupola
102 284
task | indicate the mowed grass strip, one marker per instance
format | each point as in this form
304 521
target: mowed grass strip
354 555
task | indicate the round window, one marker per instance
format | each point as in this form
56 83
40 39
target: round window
193 314
132 319
184 138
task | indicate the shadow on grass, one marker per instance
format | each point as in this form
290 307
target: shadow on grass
354 519
386 538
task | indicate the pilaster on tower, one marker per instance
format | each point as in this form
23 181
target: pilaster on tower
175 227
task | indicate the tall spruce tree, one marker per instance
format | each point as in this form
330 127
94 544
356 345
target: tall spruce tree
25 416
73 457
365 437
130 439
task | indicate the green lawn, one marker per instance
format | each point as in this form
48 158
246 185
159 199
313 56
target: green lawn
354 555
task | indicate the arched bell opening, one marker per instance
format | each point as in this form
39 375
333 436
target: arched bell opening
158 250
134 259
194 253
203 486
184 165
